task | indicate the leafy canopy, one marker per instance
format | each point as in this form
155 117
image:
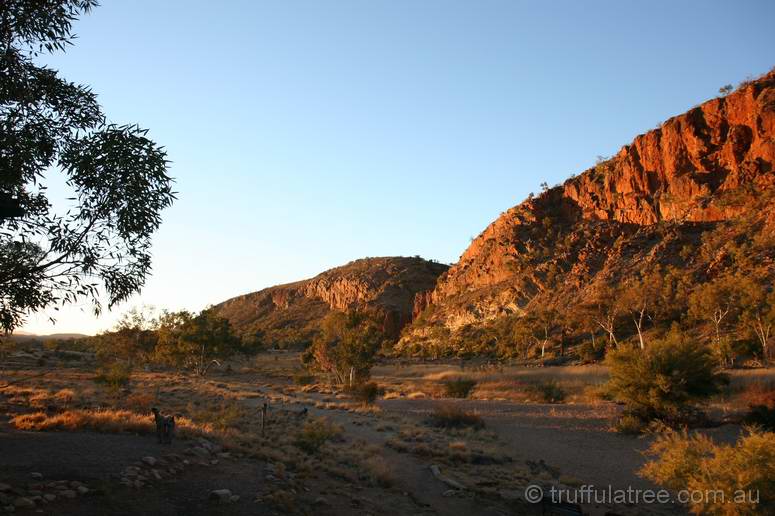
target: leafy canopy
345 347
97 243
195 342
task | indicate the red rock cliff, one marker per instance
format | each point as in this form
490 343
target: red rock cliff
697 169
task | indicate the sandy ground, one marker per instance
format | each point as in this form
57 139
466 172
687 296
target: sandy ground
574 438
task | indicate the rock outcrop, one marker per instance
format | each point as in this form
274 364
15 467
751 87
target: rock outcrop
643 207
290 314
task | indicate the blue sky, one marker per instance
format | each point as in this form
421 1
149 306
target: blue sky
305 134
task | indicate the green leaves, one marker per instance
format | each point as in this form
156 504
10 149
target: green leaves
665 380
118 175
345 346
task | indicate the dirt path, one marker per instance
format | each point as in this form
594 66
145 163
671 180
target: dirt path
574 438
424 494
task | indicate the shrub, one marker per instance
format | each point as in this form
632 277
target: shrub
315 433
379 472
629 424
459 387
548 391
114 375
666 380
450 416
743 472
365 392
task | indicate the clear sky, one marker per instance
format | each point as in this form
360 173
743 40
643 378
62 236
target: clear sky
305 134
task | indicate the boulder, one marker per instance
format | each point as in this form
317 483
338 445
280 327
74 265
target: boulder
151 461
221 495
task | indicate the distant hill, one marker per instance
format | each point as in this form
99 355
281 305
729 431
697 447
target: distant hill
290 314
26 336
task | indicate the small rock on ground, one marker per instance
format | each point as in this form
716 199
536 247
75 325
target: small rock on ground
221 495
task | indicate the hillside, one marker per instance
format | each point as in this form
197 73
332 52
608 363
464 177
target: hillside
682 205
21 336
290 314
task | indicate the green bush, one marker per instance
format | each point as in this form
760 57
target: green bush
721 471
345 347
114 375
665 381
548 391
459 387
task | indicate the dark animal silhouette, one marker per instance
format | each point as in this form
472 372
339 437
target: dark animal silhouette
165 426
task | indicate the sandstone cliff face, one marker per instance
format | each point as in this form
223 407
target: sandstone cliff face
709 165
672 172
290 314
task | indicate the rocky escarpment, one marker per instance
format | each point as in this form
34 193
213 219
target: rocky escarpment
653 204
290 314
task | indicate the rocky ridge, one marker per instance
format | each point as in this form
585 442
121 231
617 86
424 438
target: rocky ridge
668 189
290 314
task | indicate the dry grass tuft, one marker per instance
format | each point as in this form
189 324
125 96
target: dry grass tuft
315 433
221 417
379 472
450 416
140 402
458 445
64 397
759 394
105 421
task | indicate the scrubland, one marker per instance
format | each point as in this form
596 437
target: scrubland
438 437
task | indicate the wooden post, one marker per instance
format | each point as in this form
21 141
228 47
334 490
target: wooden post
263 417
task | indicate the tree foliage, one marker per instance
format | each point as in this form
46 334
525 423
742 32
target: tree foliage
97 242
133 339
735 305
183 340
194 342
345 347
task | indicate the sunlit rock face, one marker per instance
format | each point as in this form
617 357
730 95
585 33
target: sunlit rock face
711 164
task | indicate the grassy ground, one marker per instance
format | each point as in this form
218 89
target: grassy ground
325 452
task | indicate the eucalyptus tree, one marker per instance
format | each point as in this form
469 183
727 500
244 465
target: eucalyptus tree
94 246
